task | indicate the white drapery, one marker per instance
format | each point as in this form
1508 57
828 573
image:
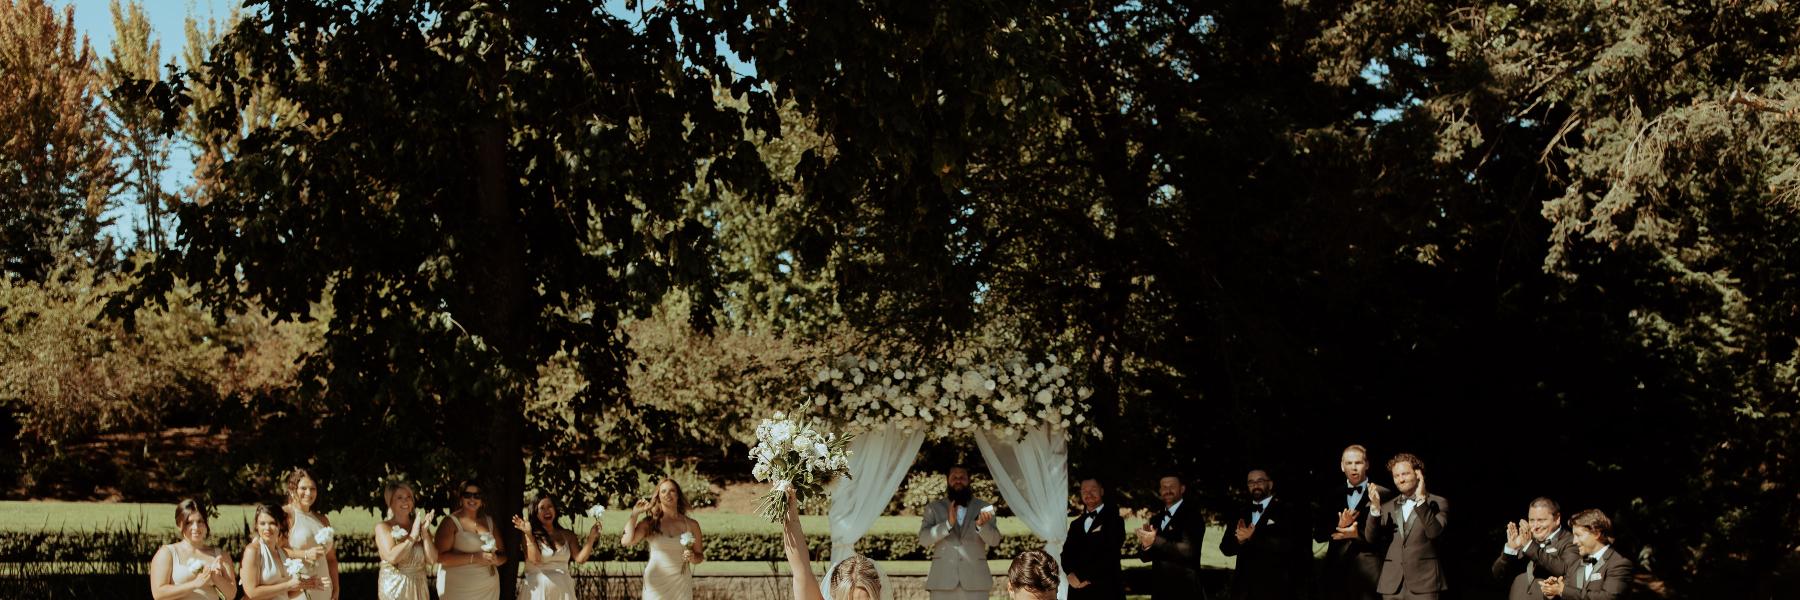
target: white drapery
1033 476
879 460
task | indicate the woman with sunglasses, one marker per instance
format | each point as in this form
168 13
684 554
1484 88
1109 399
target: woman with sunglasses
469 549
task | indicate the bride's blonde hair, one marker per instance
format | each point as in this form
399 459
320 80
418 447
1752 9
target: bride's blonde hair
855 572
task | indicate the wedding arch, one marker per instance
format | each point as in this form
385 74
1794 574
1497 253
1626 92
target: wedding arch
1020 411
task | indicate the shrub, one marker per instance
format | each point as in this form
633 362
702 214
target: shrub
924 487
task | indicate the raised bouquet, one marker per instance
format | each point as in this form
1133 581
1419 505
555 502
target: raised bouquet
795 456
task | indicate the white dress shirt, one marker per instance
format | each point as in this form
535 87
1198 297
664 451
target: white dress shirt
1256 517
1170 513
1087 521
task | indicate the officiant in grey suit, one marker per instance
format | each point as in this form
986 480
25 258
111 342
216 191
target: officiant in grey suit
958 529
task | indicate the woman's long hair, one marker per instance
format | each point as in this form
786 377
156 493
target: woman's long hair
656 507
538 532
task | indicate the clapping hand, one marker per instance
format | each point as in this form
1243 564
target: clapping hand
1419 492
1346 525
1374 501
1146 535
1553 587
1518 534
1244 531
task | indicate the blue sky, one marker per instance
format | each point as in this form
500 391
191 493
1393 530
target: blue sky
168 20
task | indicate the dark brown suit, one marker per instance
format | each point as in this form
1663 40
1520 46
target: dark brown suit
1410 568
1609 579
1536 561
1353 565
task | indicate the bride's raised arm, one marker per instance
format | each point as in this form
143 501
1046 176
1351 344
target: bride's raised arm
793 540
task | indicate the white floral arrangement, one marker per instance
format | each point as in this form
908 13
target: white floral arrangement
795 456
596 511
195 565
488 544
294 566
399 533
323 537
1008 395
687 539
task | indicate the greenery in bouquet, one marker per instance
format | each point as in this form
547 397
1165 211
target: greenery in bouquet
795 455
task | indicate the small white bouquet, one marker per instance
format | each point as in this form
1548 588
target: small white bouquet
687 539
194 565
488 544
795 456
596 511
294 566
399 534
324 536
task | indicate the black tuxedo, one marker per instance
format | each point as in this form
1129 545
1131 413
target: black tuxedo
1609 579
1536 561
1352 566
1274 562
1093 553
1175 555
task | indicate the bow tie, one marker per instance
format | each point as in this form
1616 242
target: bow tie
1353 490
1255 507
1590 560
1090 514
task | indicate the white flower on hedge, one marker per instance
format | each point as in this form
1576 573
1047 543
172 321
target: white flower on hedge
1044 396
909 411
1083 392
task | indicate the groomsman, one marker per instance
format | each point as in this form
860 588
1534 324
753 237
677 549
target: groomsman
1171 542
1602 573
1096 540
1537 547
1352 564
1410 525
1270 543
958 533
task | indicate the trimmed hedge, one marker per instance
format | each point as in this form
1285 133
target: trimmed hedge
135 548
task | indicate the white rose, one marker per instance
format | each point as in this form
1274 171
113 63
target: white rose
195 565
760 471
908 410
899 374
487 543
596 512
324 536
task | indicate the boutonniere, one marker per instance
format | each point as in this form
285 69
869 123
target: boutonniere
1550 550
1270 522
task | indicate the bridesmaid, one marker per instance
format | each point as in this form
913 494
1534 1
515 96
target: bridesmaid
403 560
468 572
666 576
190 569
302 492
264 574
547 552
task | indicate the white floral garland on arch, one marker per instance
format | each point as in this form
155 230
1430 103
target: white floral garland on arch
1007 395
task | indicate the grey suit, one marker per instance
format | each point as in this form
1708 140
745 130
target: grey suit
1609 578
1410 567
958 551
1535 562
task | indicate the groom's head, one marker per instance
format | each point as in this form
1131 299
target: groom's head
956 483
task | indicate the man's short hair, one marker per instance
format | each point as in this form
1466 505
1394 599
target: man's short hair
1417 465
1546 503
1358 448
1594 521
965 469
